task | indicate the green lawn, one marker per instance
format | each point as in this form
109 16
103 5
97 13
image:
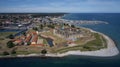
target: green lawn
44 41
90 46
4 40
5 34
57 39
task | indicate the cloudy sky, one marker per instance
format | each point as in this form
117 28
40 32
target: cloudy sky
72 6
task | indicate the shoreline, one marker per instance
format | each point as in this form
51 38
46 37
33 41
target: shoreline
110 51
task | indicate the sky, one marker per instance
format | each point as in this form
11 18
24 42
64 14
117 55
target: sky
71 6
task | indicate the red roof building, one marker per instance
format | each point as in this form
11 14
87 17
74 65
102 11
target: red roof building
28 38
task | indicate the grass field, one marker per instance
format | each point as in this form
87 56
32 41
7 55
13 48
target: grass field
57 39
4 40
89 46
5 34
98 43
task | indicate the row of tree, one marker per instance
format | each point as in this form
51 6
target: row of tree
8 53
44 51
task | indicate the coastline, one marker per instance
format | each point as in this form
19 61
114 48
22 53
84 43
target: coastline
110 51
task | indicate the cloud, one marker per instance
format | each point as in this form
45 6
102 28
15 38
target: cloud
55 9
60 6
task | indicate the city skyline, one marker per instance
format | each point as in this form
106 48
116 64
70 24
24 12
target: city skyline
71 6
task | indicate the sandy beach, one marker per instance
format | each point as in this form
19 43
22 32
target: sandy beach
111 50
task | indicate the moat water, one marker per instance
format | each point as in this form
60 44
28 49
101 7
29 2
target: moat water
112 30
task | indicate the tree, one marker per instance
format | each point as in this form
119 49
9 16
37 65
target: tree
51 26
73 26
41 26
44 24
0 47
35 28
24 33
5 53
10 44
1 23
28 43
44 51
22 43
11 36
13 52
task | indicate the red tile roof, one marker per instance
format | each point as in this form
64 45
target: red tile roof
18 41
28 38
35 38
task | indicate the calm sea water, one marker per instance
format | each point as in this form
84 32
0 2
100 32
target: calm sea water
112 30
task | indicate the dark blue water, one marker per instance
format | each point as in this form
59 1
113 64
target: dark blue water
9 30
50 42
112 29
18 31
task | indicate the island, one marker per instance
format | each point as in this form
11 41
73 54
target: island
25 35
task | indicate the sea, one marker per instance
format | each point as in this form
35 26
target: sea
112 30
